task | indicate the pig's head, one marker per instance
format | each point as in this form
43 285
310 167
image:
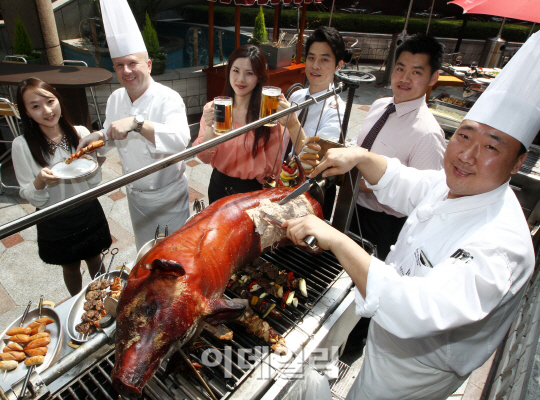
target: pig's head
157 312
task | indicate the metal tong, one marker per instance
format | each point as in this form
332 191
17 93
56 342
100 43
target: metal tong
281 37
113 253
32 367
25 313
309 240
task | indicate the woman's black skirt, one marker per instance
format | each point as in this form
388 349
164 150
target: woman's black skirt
74 235
222 185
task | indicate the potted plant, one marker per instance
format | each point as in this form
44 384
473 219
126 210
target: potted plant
22 44
276 57
159 59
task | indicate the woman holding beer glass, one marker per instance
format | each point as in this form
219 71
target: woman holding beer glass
240 164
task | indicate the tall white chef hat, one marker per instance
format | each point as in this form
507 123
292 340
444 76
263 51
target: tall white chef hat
123 35
511 102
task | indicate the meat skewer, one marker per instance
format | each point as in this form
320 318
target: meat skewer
92 146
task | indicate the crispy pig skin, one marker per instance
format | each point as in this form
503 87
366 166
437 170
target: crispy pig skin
180 282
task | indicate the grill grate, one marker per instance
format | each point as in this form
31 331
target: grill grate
232 367
340 387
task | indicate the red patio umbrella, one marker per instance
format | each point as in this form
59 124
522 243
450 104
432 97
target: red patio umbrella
526 10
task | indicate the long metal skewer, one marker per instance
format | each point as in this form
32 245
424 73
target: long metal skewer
91 194
186 359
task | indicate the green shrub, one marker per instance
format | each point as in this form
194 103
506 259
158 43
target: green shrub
259 30
22 44
362 23
150 38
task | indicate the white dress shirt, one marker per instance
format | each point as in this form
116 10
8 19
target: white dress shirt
165 108
454 315
329 125
26 170
411 134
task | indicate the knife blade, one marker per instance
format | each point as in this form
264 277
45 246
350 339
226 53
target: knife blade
304 187
311 241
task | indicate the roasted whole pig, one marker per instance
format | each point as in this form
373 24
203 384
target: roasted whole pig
180 282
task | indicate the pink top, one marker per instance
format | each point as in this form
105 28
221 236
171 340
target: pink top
234 157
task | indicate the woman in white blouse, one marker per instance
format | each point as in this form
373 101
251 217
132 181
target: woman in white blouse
80 233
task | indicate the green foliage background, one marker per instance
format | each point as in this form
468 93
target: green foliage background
362 23
151 41
259 29
22 44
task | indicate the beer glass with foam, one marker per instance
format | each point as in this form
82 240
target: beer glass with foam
223 106
269 102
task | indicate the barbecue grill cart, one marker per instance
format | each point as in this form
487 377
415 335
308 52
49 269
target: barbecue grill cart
241 368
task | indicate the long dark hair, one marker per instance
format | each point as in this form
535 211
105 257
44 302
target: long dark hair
32 133
258 66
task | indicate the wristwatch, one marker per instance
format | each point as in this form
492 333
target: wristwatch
139 120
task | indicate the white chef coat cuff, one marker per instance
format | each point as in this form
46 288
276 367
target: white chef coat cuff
392 167
368 307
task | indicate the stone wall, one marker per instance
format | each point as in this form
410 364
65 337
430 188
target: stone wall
190 83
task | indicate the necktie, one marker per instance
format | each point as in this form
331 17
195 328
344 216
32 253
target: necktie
302 117
374 131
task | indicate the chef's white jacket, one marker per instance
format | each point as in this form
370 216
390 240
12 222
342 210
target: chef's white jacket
161 198
165 108
451 316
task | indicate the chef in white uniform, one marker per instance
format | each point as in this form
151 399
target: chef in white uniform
453 281
147 122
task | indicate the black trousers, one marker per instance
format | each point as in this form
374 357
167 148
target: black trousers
379 228
222 185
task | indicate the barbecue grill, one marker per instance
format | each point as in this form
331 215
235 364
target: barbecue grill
244 367
241 368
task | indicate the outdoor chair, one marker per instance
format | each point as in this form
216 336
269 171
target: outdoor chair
93 93
9 111
13 59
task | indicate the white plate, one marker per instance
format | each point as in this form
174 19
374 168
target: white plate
484 80
77 168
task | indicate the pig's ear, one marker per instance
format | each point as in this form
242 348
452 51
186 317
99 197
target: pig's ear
221 311
166 266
